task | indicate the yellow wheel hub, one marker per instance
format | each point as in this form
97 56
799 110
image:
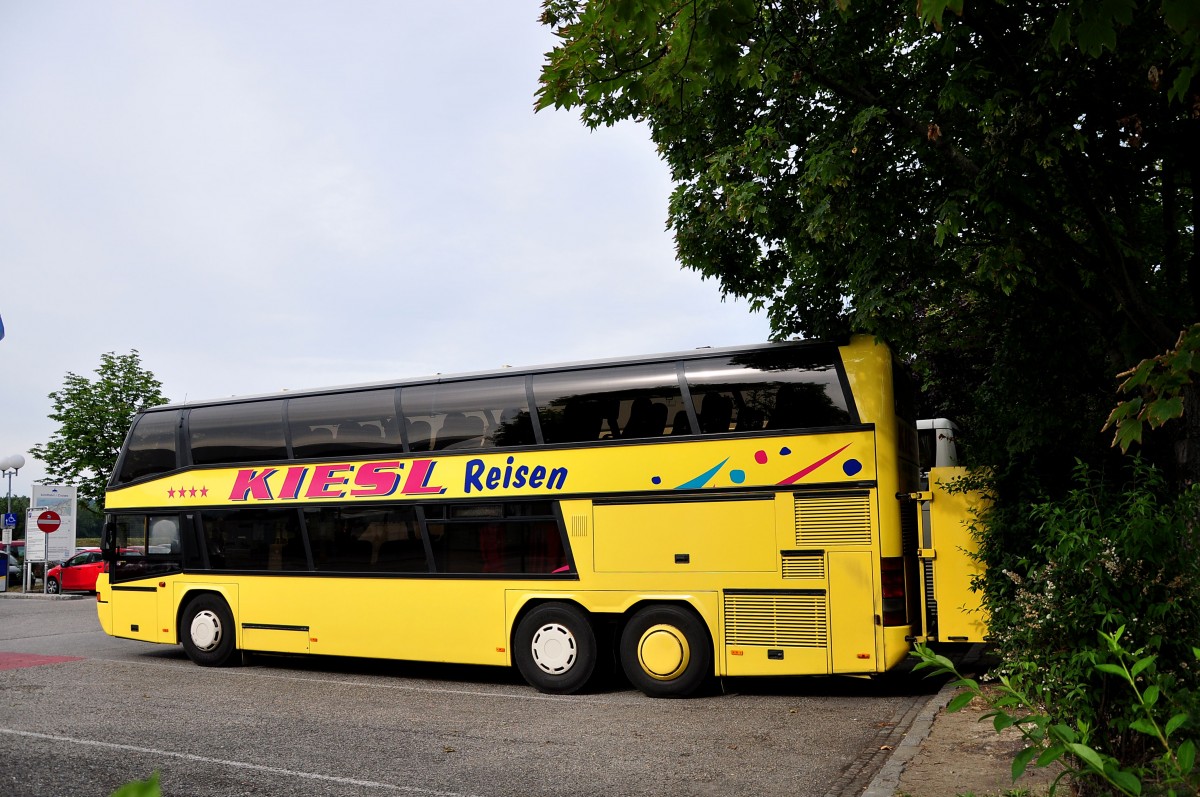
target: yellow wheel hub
663 652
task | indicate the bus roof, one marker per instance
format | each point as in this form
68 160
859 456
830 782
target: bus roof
500 372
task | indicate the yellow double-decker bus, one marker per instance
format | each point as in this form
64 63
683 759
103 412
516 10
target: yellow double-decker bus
750 511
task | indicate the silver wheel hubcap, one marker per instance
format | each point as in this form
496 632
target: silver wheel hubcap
206 630
554 649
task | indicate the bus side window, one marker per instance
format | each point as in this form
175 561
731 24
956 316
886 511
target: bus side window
420 435
647 418
244 432
624 402
151 447
512 538
715 413
253 539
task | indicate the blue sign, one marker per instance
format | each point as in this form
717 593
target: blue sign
10 520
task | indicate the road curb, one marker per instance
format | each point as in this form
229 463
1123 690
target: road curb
42 596
887 779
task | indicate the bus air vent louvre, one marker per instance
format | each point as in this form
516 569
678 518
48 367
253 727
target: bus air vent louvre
776 620
803 565
833 520
579 525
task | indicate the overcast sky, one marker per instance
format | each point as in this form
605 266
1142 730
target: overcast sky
268 195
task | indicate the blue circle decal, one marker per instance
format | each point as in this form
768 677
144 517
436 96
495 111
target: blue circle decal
851 467
737 476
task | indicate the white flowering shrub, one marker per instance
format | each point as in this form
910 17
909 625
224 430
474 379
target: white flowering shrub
1104 557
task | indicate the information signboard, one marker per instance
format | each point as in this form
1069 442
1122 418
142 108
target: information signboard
50 526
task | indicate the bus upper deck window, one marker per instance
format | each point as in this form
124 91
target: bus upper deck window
150 448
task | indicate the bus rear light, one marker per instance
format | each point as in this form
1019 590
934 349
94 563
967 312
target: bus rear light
895 607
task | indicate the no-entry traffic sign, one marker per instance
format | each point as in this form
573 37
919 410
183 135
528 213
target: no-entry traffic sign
49 521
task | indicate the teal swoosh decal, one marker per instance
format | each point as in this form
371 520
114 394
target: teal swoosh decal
703 478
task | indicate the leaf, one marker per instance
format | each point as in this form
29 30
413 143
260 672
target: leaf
1174 723
1128 433
1186 755
1126 781
1183 82
1064 732
960 700
1143 725
1051 754
1022 761
1150 696
1162 410
1087 755
140 788
1112 669
1060 34
1140 665
1095 33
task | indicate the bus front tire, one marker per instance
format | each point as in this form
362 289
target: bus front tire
555 649
207 631
665 651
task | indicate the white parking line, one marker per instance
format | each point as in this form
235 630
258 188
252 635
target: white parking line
245 672
235 764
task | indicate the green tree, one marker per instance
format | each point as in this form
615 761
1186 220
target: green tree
1012 182
93 417
1008 192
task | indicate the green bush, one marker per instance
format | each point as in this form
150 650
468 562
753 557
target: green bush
1104 557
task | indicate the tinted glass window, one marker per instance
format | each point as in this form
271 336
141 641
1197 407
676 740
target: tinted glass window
151 447
237 433
386 539
483 413
253 539
146 545
904 392
513 538
784 389
627 402
344 424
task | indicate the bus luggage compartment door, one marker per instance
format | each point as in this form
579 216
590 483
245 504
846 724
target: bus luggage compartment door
947 552
852 611
135 611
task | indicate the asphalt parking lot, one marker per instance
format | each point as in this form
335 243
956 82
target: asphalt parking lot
82 713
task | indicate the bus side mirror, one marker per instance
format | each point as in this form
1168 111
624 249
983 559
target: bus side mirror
108 539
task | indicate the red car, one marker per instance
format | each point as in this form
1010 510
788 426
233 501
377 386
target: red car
77 573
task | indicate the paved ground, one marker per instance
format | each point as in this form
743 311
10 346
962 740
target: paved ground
938 754
948 755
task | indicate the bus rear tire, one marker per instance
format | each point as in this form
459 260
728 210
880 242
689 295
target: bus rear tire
555 649
207 631
666 652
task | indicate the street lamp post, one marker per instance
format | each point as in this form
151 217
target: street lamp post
9 467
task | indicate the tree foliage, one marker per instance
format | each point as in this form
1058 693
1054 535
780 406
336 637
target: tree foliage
971 180
93 418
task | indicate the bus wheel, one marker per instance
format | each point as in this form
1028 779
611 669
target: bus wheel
555 649
665 651
207 627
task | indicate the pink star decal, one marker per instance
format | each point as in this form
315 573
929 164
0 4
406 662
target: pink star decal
170 492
